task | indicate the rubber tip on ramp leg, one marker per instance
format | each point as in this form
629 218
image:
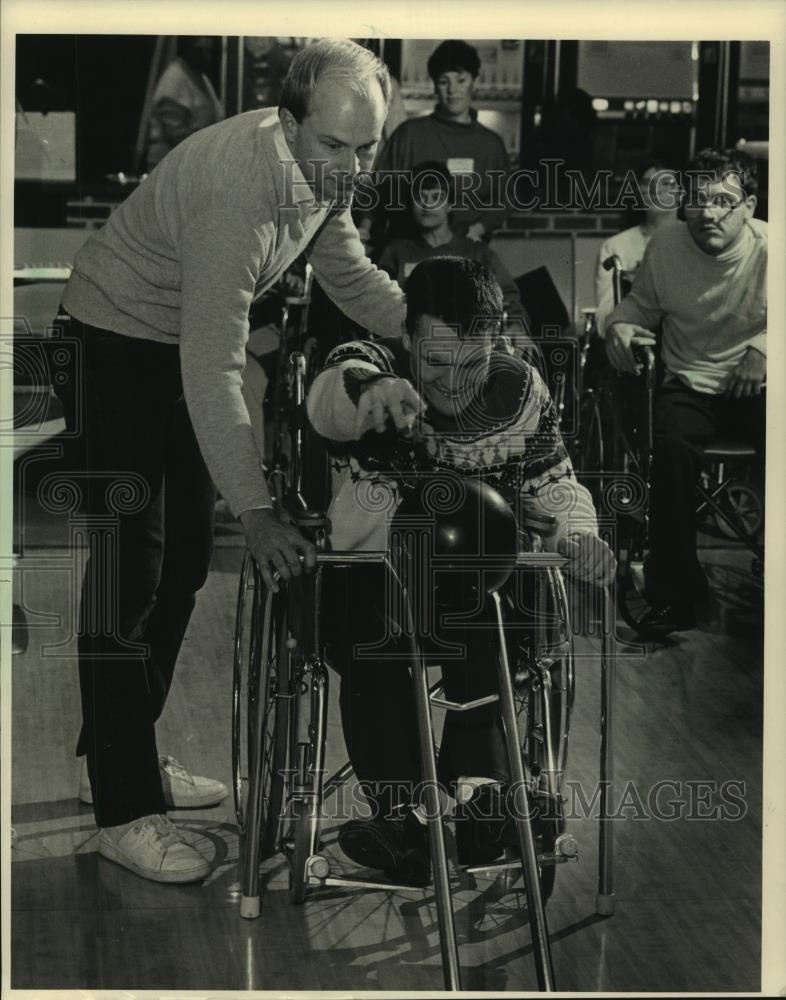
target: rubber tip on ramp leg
249 907
604 905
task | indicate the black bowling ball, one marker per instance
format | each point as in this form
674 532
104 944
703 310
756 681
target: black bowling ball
463 524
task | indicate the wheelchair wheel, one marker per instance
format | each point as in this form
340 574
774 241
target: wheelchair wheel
631 550
260 675
299 851
307 731
546 810
743 504
590 457
548 826
544 691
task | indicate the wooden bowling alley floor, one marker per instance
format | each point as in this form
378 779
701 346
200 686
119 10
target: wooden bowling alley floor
687 849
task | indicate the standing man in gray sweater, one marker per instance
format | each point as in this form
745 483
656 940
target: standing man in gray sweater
159 302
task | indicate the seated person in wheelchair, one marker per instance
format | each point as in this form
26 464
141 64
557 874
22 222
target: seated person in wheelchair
705 281
478 412
659 189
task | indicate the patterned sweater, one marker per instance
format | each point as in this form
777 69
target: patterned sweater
508 437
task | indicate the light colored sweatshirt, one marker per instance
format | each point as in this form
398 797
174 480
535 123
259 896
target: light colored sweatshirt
712 308
508 437
629 246
180 261
466 149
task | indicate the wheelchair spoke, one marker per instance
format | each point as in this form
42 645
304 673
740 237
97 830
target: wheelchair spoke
259 723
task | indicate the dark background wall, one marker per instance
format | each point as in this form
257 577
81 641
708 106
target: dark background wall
103 79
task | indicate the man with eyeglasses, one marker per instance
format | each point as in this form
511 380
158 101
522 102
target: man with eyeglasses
706 283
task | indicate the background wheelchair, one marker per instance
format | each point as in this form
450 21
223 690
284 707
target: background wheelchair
280 702
613 457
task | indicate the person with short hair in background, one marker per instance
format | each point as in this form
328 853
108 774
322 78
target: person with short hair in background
451 134
660 191
431 235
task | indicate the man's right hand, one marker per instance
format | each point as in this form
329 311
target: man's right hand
386 399
621 338
276 546
749 376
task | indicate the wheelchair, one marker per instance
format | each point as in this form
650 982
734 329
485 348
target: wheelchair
279 722
613 457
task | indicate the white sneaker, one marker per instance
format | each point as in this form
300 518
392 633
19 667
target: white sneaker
154 848
182 790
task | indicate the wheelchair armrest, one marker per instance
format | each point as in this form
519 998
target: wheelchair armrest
542 524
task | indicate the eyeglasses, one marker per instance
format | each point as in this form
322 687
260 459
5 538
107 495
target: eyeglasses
721 205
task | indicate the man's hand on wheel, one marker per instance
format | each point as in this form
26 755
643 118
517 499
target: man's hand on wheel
590 557
393 399
276 546
748 377
621 338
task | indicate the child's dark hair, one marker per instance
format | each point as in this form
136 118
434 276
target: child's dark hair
453 55
719 163
637 213
463 293
656 161
427 176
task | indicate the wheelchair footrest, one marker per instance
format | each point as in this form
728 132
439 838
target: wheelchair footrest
551 858
356 882
318 876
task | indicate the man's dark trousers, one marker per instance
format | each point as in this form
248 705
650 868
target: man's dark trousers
684 422
148 512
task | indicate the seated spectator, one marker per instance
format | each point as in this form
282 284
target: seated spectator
705 281
480 413
453 135
432 235
266 64
184 100
659 188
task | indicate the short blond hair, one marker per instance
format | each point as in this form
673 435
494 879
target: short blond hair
337 57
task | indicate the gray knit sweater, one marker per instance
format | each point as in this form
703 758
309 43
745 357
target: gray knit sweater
180 261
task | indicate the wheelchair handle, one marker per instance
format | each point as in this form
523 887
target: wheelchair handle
645 354
615 263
